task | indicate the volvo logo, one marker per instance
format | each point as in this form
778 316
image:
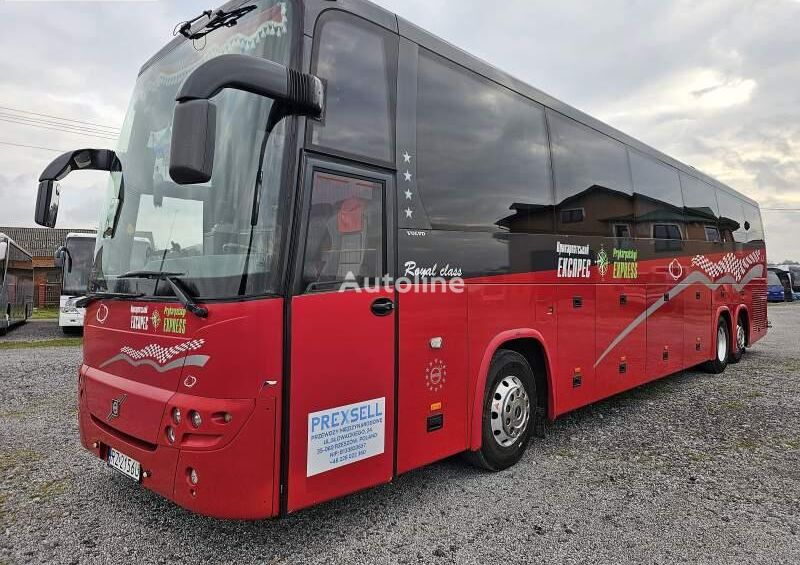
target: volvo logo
116 406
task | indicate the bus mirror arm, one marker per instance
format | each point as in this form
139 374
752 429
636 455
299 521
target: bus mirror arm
48 195
194 124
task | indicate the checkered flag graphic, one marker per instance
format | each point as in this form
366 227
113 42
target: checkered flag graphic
728 265
162 354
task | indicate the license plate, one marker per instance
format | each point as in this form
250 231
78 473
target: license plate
124 464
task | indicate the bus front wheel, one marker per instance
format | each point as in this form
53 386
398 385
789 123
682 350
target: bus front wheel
509 410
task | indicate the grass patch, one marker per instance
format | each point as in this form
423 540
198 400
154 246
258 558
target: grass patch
754 394
45 314
747 444
733 405
49 490
12 459
60 342
793 365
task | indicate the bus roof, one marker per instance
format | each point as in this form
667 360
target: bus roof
7 239
81 235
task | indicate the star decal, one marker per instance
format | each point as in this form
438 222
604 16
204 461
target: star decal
406 157
409 194
408 175
409 213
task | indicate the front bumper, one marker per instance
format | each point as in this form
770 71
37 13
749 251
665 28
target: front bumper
235 481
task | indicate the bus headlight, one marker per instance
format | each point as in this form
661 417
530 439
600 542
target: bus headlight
195 418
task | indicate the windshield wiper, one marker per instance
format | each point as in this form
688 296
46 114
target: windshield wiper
179 288
103 295
216 20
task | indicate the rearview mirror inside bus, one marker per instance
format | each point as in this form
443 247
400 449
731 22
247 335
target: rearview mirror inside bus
194 124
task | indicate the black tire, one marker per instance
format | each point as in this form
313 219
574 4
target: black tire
716 365
739 343
506 365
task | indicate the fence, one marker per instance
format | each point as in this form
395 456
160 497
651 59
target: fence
47 294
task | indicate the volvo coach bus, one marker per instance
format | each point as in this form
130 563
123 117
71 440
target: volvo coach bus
75 258
372 251
16 284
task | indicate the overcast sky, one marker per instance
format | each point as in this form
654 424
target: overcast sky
715 84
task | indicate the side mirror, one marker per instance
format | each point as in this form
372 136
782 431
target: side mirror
194 124
49 191
47 201
58 257
63 258
194 135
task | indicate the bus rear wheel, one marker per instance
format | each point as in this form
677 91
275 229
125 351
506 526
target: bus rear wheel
509 409
739 342
721 350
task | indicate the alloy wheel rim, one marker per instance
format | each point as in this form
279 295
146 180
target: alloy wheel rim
722 344
741 341
510 411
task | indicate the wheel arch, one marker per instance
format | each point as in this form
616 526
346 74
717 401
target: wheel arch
530 344
744 312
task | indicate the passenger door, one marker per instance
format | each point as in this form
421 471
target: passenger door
342 375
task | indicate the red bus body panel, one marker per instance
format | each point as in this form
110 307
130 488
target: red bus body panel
229 363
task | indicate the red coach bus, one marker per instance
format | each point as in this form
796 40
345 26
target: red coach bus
281 157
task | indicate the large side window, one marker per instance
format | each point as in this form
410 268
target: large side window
358 63
731 217
345 230
591 173
657 197
482 152
753 224
700 209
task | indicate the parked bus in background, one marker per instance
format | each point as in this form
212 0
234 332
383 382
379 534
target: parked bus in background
16 284
372 251
75 258
775 289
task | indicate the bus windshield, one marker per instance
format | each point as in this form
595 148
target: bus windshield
81 253
223 241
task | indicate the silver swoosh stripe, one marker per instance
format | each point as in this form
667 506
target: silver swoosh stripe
188 361
695 277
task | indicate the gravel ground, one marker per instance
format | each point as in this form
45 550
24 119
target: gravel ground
34 330
694 468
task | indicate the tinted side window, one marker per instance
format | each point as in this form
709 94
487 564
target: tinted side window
700 209
731 220
345 230
657 191
591 172
358 62
752 217
482 152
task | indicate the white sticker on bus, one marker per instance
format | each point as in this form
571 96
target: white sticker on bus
344 435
